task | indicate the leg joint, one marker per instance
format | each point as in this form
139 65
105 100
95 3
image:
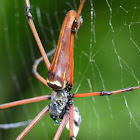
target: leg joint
72 138
74 26
129 89
28 14
105 93
34 69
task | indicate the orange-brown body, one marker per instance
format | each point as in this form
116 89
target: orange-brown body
59 71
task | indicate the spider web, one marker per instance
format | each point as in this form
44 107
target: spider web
106 57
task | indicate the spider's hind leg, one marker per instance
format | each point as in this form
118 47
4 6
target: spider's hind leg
34 31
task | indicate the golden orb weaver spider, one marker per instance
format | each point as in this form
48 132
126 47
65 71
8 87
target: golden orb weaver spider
60 76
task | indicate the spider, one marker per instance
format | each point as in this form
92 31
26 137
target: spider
60 78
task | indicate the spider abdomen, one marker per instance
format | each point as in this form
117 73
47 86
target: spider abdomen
59 71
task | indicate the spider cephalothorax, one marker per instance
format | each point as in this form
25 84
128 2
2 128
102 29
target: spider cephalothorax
60 102
58 105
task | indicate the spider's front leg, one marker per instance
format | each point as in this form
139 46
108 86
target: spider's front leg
71 122
33 123
61 127
74 121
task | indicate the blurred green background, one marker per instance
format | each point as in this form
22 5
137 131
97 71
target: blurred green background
106 57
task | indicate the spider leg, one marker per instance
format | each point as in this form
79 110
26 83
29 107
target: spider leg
32 26
71 61
80 9
37 75
25 101
37 62
61 127
74 30
71 122
101 93
33 123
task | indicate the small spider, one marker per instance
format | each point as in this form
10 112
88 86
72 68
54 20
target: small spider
60 78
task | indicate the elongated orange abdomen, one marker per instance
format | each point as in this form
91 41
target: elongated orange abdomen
58 74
